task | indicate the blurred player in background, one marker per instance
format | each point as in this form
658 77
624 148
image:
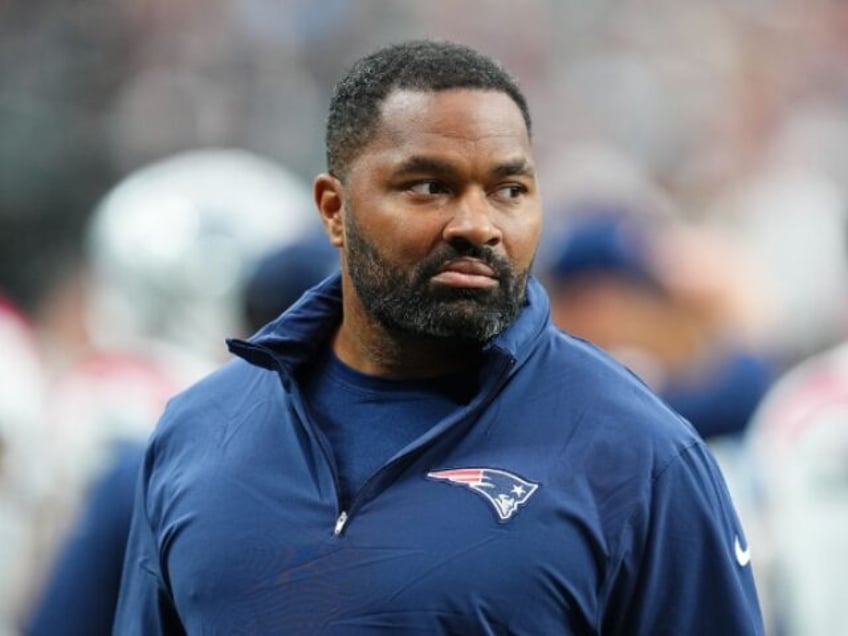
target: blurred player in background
671 302
22 461
799 448
797 444
174 244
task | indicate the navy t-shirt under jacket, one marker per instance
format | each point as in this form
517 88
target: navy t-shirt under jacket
563 498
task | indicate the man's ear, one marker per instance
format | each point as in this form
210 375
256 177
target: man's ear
329 199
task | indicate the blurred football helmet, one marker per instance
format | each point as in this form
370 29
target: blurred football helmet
169 251
171 245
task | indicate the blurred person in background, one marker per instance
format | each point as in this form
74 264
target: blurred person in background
174 243
413 445
283 275
22 486
671 303
797 444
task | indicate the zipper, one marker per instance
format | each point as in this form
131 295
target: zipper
340 523
501 375
302 411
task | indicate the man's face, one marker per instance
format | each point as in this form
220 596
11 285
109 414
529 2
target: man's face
442 215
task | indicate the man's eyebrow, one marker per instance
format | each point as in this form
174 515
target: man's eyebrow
430 165
517 168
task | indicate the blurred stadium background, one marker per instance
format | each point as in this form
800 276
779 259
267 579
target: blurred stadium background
709 100
720 128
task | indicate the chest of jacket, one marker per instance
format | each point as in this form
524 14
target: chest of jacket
478 527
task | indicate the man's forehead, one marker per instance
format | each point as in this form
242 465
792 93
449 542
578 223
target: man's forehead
406 100
404 104
415 120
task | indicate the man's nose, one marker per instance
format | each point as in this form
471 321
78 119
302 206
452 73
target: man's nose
472 221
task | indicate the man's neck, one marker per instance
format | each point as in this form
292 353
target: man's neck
370 348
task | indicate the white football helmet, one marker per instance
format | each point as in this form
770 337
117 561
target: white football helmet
170 249
171 245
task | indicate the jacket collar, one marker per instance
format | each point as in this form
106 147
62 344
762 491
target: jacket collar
300 331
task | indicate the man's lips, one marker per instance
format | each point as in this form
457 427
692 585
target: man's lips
466 272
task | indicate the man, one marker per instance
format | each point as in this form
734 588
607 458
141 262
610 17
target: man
413 447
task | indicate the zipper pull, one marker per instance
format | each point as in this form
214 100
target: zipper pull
340 523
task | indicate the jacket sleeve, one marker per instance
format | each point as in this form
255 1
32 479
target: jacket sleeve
145 604
682 564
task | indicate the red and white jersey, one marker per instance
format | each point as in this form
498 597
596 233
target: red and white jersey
22 462
799 445
111 396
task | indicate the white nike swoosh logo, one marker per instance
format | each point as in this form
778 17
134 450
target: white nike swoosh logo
743 557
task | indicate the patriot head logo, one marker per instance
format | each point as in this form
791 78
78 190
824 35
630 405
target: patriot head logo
504 490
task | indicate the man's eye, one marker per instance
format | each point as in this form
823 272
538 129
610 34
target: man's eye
511 191
428 187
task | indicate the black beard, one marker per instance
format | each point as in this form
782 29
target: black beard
411 305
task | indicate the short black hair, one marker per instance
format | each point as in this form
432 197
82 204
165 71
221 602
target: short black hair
426 65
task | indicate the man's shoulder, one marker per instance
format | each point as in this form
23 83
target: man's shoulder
214 400
608 401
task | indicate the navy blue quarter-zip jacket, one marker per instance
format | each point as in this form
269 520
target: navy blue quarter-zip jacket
565 498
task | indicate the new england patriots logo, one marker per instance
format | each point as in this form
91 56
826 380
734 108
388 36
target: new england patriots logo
505 491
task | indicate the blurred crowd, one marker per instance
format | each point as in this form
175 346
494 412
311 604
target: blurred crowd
155 167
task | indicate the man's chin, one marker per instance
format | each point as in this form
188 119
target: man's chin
458 314
466 321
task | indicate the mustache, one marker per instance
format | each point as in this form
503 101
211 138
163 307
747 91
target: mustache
446 252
